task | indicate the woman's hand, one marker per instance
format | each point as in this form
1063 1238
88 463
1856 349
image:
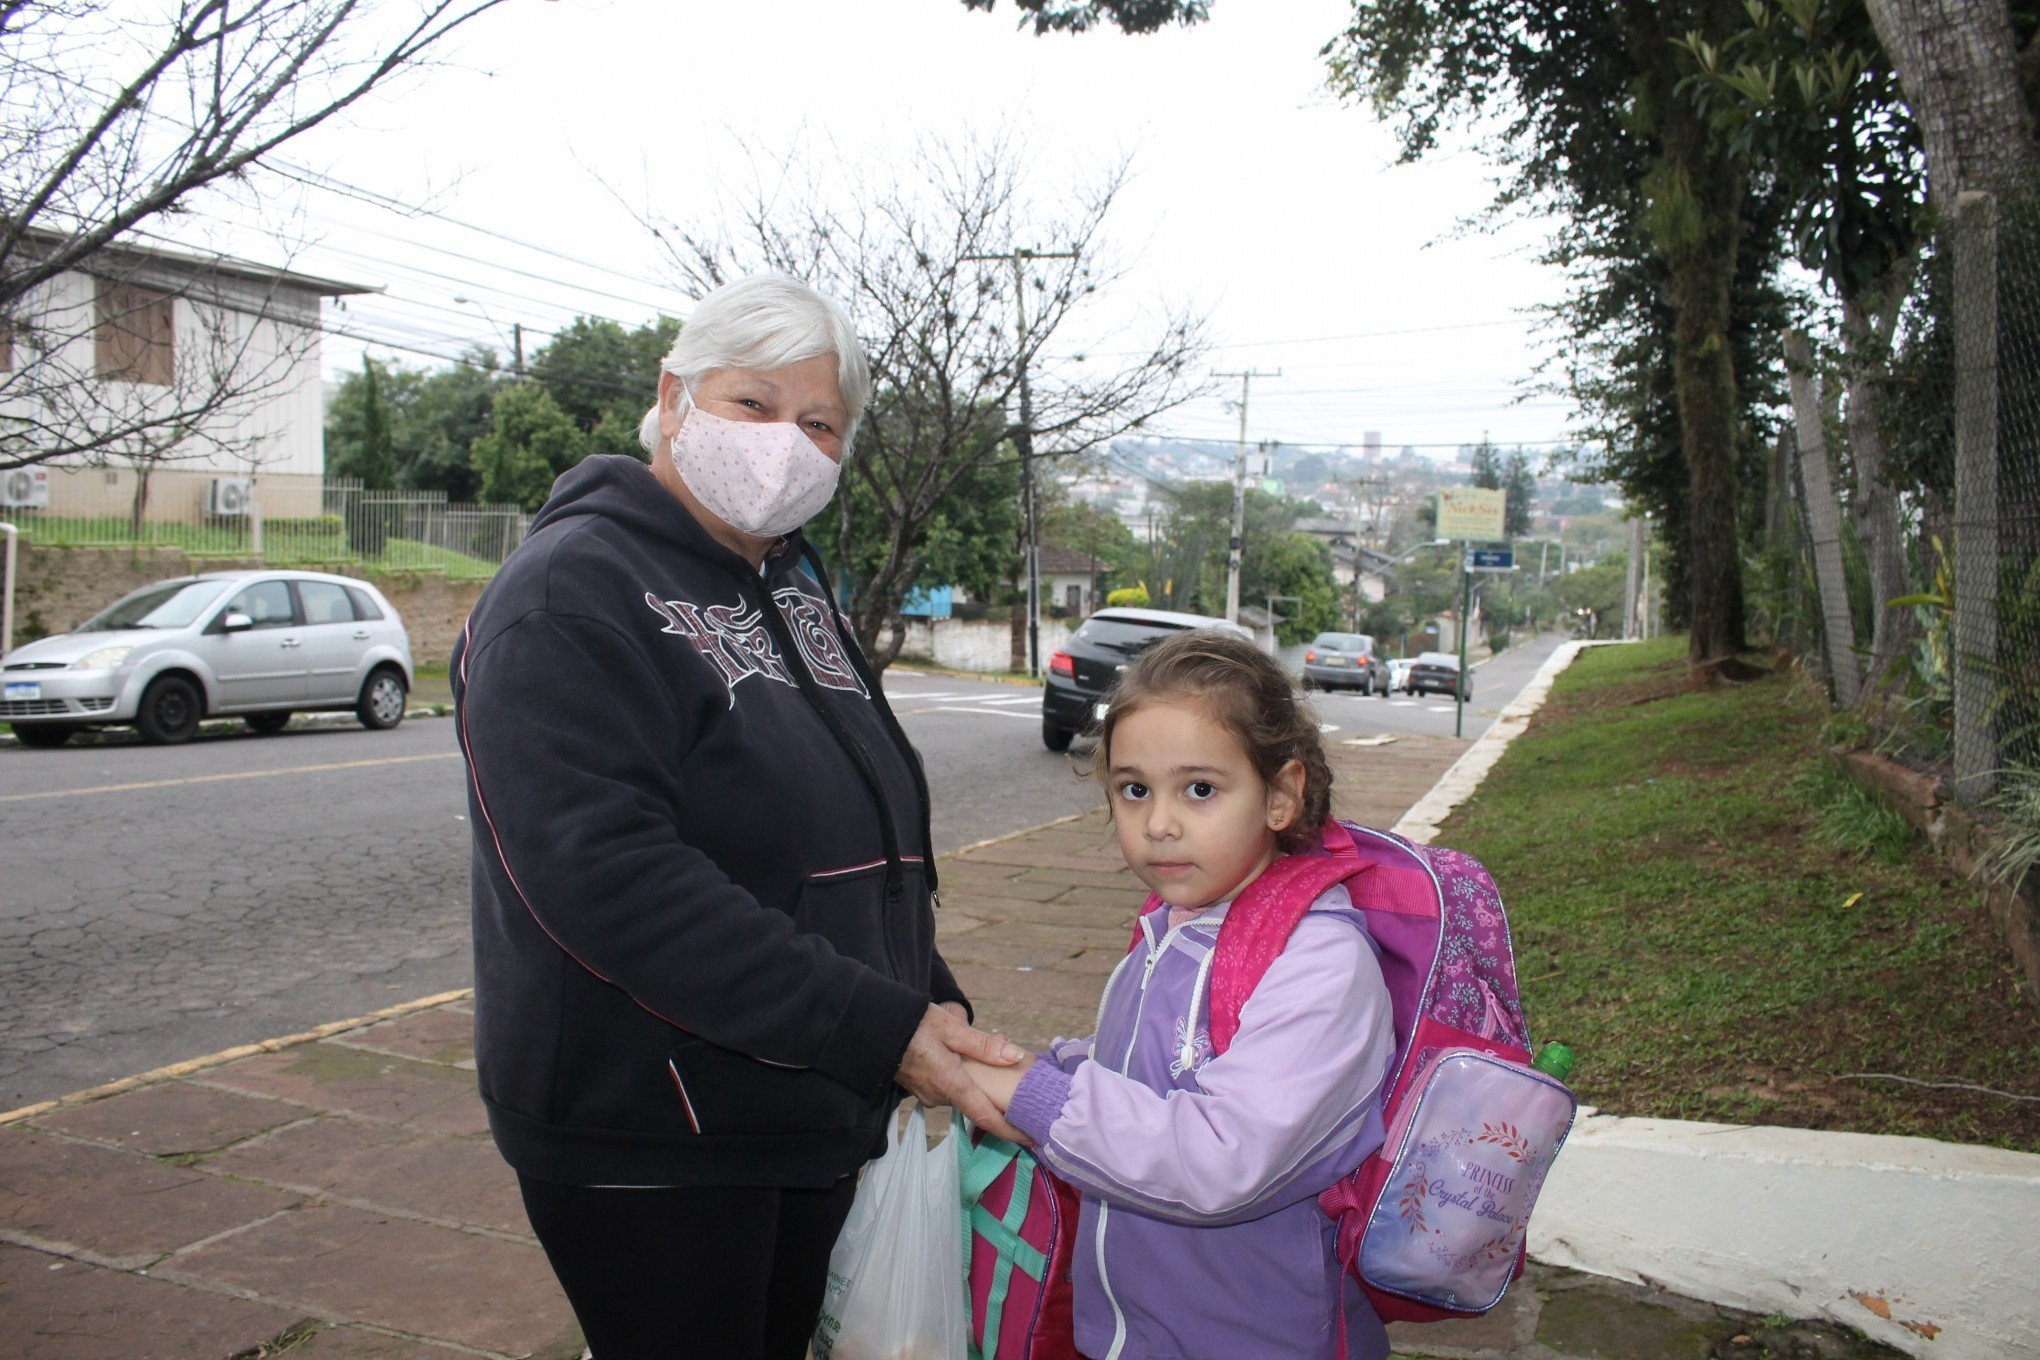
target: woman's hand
932 1068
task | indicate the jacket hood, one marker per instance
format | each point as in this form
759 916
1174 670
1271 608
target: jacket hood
618 487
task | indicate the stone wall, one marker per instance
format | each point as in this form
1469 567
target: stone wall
59 588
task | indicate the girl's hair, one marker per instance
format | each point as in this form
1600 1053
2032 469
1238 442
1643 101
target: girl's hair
1245 692
762 322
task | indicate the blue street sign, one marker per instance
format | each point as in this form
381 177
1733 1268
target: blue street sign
1491 559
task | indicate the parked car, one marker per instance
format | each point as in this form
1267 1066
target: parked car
1345 661
258 644
1081 675
1399 672
1437 673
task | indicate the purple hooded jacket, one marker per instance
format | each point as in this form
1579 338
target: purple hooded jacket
1200 1237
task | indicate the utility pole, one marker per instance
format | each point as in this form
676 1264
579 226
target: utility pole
1359 508
517 348
1023 438
1239 496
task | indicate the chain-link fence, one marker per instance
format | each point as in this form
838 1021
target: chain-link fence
1900 554
1996 569
355 530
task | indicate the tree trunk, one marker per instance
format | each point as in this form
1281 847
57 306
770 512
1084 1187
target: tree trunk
1823 524
1863 348
138 508
1959 69
1701 257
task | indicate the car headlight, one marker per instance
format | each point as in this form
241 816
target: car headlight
105 659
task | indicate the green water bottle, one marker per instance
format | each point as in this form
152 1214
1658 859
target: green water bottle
1555 1060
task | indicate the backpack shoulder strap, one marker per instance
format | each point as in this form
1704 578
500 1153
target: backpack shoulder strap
1260 922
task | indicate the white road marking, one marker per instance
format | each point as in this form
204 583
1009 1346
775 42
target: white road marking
222 778
1016 699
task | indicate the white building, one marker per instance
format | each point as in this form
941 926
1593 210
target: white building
198 373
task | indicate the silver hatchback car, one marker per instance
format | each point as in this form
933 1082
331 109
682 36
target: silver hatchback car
256 644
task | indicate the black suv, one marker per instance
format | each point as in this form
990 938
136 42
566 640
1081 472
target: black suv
1081 676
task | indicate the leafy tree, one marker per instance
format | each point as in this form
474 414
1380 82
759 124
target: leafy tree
530 442
605 377
431 421
1521 484
1086 528
1655 175
1298 565
1075 16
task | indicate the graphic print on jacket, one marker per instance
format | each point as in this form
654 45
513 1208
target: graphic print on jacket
734 639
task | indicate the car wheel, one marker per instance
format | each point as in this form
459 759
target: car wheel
1367 686
170 711
1056 738
266 723
381 705
44 734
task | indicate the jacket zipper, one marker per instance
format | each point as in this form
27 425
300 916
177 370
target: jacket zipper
1155 951
860 759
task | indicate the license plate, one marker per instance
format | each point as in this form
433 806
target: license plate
1098 712
1335 661
23 690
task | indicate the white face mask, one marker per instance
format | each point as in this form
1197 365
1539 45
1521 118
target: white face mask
762 478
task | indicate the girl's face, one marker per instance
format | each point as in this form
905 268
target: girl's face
1195 821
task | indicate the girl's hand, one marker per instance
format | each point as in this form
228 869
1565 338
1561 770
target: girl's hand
998 1083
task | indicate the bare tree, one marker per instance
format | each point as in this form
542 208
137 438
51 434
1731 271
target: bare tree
114 123
921 258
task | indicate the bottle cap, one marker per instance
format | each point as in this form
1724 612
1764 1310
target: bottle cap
1555 1060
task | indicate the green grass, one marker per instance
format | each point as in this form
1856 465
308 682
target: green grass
313 544
1724 932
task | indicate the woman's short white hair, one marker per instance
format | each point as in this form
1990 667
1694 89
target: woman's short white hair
763 322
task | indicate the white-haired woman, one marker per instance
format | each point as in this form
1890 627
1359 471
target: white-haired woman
704 951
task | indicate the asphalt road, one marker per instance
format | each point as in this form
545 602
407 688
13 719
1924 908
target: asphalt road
160 903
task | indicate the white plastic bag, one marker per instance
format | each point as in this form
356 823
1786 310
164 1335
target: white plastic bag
896 1289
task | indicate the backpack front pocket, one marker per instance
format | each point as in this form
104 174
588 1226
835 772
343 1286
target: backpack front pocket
1477 1136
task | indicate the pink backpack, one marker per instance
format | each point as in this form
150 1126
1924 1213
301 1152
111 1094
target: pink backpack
1433 1225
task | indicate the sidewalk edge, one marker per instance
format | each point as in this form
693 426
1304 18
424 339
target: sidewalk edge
227 1055
1457 784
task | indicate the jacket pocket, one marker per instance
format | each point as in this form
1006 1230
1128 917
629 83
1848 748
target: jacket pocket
889 930
721 1091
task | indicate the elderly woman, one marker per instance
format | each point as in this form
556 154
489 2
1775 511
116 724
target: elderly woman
704 952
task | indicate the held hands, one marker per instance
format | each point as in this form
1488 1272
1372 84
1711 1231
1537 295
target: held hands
933 1068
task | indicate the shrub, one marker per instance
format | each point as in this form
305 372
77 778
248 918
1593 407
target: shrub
1128 597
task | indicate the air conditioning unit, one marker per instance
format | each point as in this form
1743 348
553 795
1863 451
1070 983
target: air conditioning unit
230 495
25 488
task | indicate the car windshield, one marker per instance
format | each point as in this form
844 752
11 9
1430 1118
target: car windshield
172 604
1344 642
1128 637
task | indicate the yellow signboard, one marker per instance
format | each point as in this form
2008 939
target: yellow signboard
1474 512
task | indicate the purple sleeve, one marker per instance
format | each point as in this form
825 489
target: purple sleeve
1293 1105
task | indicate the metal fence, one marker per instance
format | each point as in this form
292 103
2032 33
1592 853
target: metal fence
1996 569
355 530
1926 623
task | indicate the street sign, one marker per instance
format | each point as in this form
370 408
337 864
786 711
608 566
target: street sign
1491 559
1471 512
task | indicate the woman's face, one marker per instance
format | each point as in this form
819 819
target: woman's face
804 394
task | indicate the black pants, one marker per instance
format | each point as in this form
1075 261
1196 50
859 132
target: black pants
721 1273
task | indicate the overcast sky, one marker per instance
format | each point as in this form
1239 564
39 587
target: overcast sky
1255 197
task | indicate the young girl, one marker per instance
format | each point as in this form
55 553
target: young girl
1200 1237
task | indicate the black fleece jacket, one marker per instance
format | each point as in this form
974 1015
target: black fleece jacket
702 876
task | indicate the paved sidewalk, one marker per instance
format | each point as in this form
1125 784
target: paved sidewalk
336 1197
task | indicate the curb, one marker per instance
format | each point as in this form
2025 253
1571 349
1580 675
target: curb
94 737
227 1055
989 677
1458 783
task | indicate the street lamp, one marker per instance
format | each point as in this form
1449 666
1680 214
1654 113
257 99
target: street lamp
516 332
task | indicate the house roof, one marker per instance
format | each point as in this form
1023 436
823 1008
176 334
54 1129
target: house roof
227 265
1069 562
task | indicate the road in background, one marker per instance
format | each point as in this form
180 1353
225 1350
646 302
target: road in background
158 903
